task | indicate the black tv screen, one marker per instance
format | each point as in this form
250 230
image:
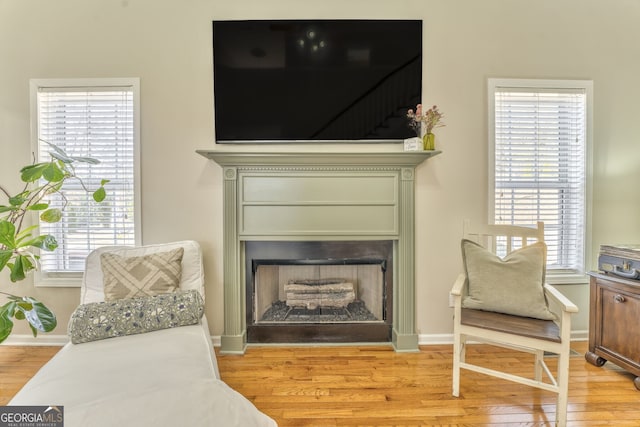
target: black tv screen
315 80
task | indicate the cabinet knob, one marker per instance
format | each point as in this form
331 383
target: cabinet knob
619 298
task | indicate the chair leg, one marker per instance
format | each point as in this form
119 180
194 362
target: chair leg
538 365
458 356
563 386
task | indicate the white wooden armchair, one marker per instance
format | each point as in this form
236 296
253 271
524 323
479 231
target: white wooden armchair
507 330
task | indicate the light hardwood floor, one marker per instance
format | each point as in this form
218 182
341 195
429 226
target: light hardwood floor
18 364
374 386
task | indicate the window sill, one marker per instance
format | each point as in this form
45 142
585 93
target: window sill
567 279
68 281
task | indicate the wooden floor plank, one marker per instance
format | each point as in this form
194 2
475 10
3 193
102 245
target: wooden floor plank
375 386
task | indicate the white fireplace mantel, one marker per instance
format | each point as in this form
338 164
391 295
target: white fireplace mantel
294 195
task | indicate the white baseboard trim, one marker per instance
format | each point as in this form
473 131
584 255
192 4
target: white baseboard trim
40 340
60 340
580 335
435 339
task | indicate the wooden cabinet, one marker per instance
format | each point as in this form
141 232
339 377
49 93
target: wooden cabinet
614 333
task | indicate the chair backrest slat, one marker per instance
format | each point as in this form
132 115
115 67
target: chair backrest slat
499 237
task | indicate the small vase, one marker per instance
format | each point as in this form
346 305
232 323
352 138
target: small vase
428 141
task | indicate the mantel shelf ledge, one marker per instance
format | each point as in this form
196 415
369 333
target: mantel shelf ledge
316 158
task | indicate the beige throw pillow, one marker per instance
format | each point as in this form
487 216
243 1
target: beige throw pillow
140 276
513 285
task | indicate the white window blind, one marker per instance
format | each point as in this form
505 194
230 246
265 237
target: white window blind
539 166
98 122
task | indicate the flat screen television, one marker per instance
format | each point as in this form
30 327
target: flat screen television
315 80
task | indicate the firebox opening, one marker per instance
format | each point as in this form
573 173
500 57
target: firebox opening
334 291
319 291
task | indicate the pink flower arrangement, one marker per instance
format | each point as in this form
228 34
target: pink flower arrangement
431 119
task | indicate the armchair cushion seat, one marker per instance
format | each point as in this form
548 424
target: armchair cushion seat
527 327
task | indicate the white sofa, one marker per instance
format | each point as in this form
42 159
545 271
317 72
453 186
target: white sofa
167 377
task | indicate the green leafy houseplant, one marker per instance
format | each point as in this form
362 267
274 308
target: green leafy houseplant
19 244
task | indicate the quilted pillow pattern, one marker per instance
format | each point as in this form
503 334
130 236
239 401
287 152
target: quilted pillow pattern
130 277
101 320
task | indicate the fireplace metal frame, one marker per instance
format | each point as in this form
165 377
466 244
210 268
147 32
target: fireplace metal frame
319 253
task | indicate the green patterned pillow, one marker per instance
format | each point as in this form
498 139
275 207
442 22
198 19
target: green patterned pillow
101 320
139 276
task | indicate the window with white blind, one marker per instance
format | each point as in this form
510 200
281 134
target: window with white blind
95 118
539 133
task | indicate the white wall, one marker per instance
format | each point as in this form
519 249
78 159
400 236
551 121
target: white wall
167 44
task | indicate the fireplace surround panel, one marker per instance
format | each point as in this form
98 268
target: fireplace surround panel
302 196
314 202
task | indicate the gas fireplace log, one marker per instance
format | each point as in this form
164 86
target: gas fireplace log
312 296
319 289
311 302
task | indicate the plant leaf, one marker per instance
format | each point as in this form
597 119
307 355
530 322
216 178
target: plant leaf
49 243
18 199
38 207
89 160
25 233
32 173
6 325
30 260
61 155
24 305
99 195
104 182
7 234
17 273
27 265
55 187
5 256
51 215
44 241
53 173
56 149
39 316
19 269
7 208
10 307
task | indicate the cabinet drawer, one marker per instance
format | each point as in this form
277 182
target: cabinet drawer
619 320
